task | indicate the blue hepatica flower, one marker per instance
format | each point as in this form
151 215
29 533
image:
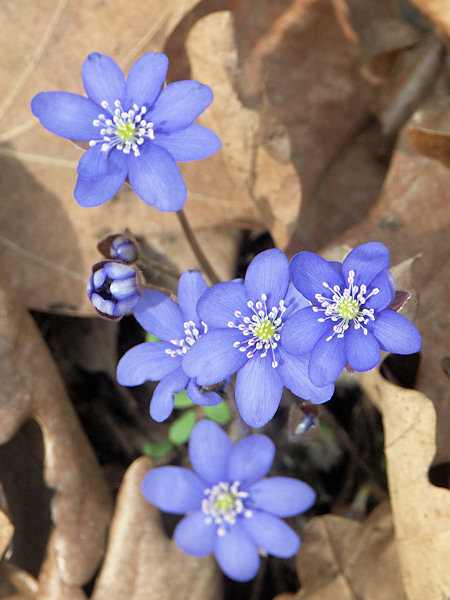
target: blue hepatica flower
179 328
135 129
349 320
232 511
245 320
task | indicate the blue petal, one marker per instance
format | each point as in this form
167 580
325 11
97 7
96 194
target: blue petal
327 361
93 192
293 372
308 273
294 301
251 459
363 351
272 534
237 554
67 115
268 273
94 163
160 315
173 489
202 398
384 282
395 333
145 79
213 357
193 143
103 80
191 286
258 391
302 330
282 496
179 104
194 536
367 261
116 270
161 404
217 305
209 449
146 362
156 179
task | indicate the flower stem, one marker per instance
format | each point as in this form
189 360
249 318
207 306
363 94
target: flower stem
193 242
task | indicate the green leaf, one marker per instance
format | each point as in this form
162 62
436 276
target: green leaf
180 430
157 449
149 337
221 414
182 400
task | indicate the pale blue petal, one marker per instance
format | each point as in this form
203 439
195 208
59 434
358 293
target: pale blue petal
385 283
367 261
237 554
146 362
193 143
272 534
67 115
258 391
191 286
282 496
98 190
156 179
160 315
308 273
395 333
294 301
250 459
173 489
268 273
363 351
103 80
145 79
194 536
218 304
213 357
294 374
302 331
202 398
161 404
327 361
209 449
179 104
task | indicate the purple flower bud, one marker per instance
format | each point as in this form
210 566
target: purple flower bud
114 288
118 247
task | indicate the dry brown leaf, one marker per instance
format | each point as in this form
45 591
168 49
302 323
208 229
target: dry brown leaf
141 562
421 511
6 532
47 242
16 584
411 218
425 136
438 11
342 559
31 387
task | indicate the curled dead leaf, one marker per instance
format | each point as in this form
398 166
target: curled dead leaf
421 511
31 387
6 532
141 561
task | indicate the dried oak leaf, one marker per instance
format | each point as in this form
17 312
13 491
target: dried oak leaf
6 532
412 218
342 559
422 135
420 510
31 388
438 11
48 242
16 584
141 562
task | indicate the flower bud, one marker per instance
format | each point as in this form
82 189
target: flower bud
114 288
119 247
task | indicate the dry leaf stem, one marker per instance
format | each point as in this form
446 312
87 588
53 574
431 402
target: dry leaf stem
193 242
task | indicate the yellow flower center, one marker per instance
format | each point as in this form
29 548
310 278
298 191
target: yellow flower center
348 308
126 131
265 330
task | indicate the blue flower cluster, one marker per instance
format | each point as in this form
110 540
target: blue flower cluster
232 510
271 331
136 129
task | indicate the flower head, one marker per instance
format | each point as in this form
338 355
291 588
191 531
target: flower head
179 327
118 247
350 320
245 321
114 288
135 129
232 511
